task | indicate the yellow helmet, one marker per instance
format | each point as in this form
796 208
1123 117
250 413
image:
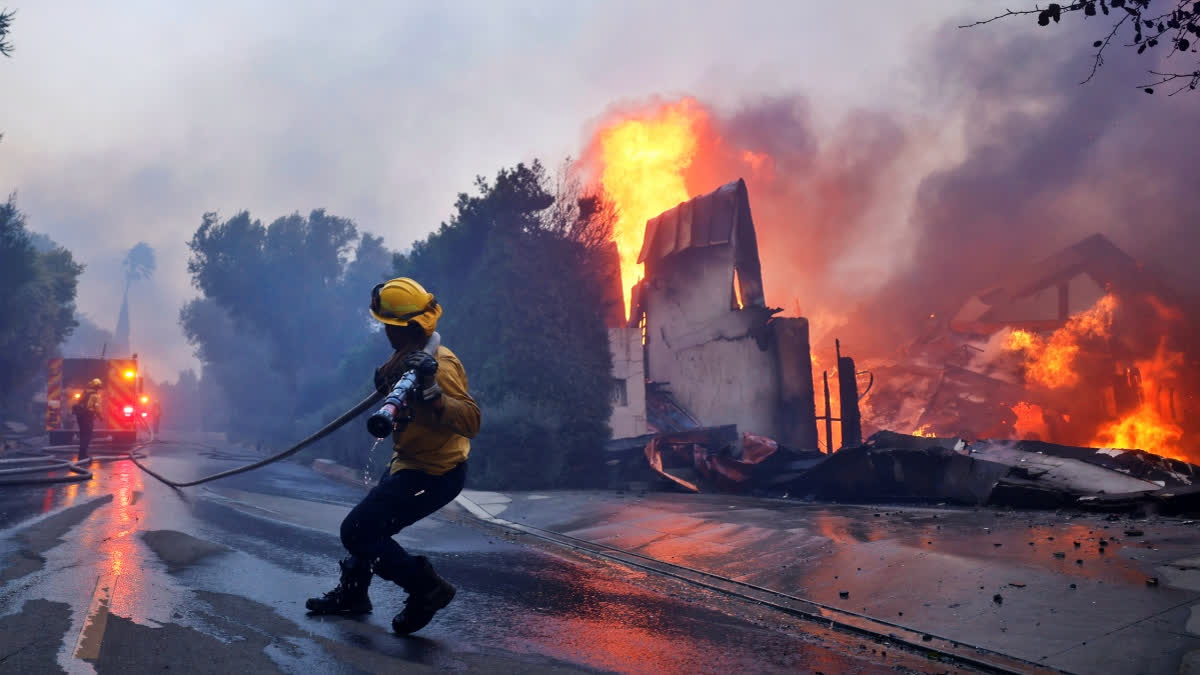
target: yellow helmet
402 301
96 383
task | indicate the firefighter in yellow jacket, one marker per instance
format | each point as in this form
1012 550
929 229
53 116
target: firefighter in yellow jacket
427 470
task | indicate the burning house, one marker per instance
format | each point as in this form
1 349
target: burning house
1084 347
701 343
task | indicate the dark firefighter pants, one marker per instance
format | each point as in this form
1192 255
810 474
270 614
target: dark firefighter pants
400 499
86 425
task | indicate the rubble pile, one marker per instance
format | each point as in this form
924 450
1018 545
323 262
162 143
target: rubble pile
1022 474
894 467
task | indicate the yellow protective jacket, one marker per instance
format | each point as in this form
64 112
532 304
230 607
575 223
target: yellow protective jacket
436 442
91 401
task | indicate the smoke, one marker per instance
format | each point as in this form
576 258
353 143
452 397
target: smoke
817 198
1047 162
876 221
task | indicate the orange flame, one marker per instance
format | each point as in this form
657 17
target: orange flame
924 432
1147 426
643 158
1031 421
1050 361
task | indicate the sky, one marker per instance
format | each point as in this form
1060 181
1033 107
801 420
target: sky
125 122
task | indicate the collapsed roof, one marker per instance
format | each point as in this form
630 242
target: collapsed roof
1046 293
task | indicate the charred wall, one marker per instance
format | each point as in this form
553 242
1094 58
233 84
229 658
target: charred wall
726 365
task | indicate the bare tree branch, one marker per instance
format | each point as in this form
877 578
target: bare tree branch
1099 60
1007 13
1148 23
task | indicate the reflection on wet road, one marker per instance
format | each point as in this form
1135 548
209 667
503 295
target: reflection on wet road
1081 593
121 574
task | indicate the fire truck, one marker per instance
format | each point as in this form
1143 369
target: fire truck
124 409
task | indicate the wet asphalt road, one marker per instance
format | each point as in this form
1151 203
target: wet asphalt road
122 574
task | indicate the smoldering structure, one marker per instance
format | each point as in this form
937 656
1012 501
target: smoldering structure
714 391
709 337
704 369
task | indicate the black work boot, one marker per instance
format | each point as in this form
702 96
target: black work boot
350 595
427 593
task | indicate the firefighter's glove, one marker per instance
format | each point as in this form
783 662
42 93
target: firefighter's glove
426 368
381 383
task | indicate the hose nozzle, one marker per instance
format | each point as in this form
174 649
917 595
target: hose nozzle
383 422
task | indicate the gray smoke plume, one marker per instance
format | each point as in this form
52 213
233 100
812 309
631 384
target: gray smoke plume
1049 162
1046 163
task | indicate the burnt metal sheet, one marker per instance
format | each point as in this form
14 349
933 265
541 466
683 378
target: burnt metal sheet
715 458
721 217
707 220
922 470
1062 474
685 224
1147 466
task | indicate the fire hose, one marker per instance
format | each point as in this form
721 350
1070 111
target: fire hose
78 472
380 424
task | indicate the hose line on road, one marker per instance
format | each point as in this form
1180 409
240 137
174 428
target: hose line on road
75 472
324 431
78 473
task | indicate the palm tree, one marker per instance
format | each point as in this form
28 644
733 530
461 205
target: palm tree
138 265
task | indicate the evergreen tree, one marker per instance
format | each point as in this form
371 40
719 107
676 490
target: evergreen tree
523 313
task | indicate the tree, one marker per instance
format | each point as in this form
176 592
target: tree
37 302
1150 26
138 265
514 269
6 17
282 307
192 403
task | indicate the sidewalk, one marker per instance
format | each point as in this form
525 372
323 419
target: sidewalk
1082 593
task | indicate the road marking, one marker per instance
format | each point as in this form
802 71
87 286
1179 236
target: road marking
478 511
87 647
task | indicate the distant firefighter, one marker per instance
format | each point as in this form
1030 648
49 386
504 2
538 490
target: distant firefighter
155 416
428 466
86 411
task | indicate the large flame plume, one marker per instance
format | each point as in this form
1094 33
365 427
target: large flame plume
649 158
643 158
